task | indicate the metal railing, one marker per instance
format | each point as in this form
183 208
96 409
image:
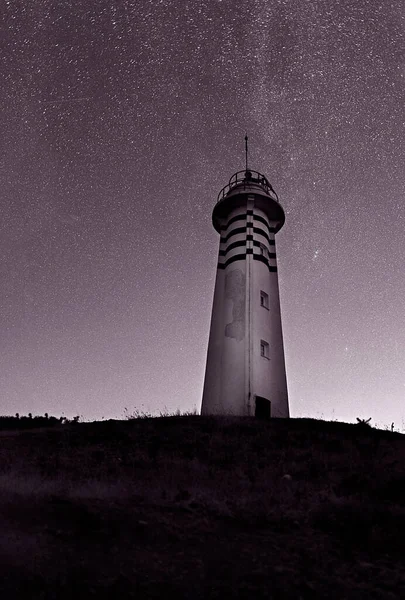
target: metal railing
247 178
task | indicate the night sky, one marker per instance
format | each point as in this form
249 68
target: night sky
120 122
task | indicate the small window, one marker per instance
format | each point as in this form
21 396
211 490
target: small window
263 250
264 299
264 349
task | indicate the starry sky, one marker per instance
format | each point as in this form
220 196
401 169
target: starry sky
120 122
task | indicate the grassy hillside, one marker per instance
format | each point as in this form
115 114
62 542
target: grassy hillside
202 508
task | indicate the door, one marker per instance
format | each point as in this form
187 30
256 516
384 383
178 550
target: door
262 408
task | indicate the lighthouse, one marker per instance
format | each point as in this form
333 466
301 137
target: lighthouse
245 370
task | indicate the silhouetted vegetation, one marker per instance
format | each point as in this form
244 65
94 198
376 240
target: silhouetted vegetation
202 508
29 422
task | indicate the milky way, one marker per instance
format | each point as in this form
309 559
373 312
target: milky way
120 123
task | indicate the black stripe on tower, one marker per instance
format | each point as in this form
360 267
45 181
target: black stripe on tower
256 230
232 246
263 220
236 218
231 260
271 242
233 232
258 257
259 231
259 244
264 260
243 218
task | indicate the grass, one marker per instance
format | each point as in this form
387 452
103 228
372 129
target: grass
202 507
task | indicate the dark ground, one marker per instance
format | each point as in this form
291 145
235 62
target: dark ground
197 507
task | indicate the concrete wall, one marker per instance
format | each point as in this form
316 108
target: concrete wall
224 385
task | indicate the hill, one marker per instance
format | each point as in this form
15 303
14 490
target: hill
202 508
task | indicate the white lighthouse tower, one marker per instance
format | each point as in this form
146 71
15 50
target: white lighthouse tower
245 372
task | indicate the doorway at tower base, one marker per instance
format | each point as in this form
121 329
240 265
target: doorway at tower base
262 408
